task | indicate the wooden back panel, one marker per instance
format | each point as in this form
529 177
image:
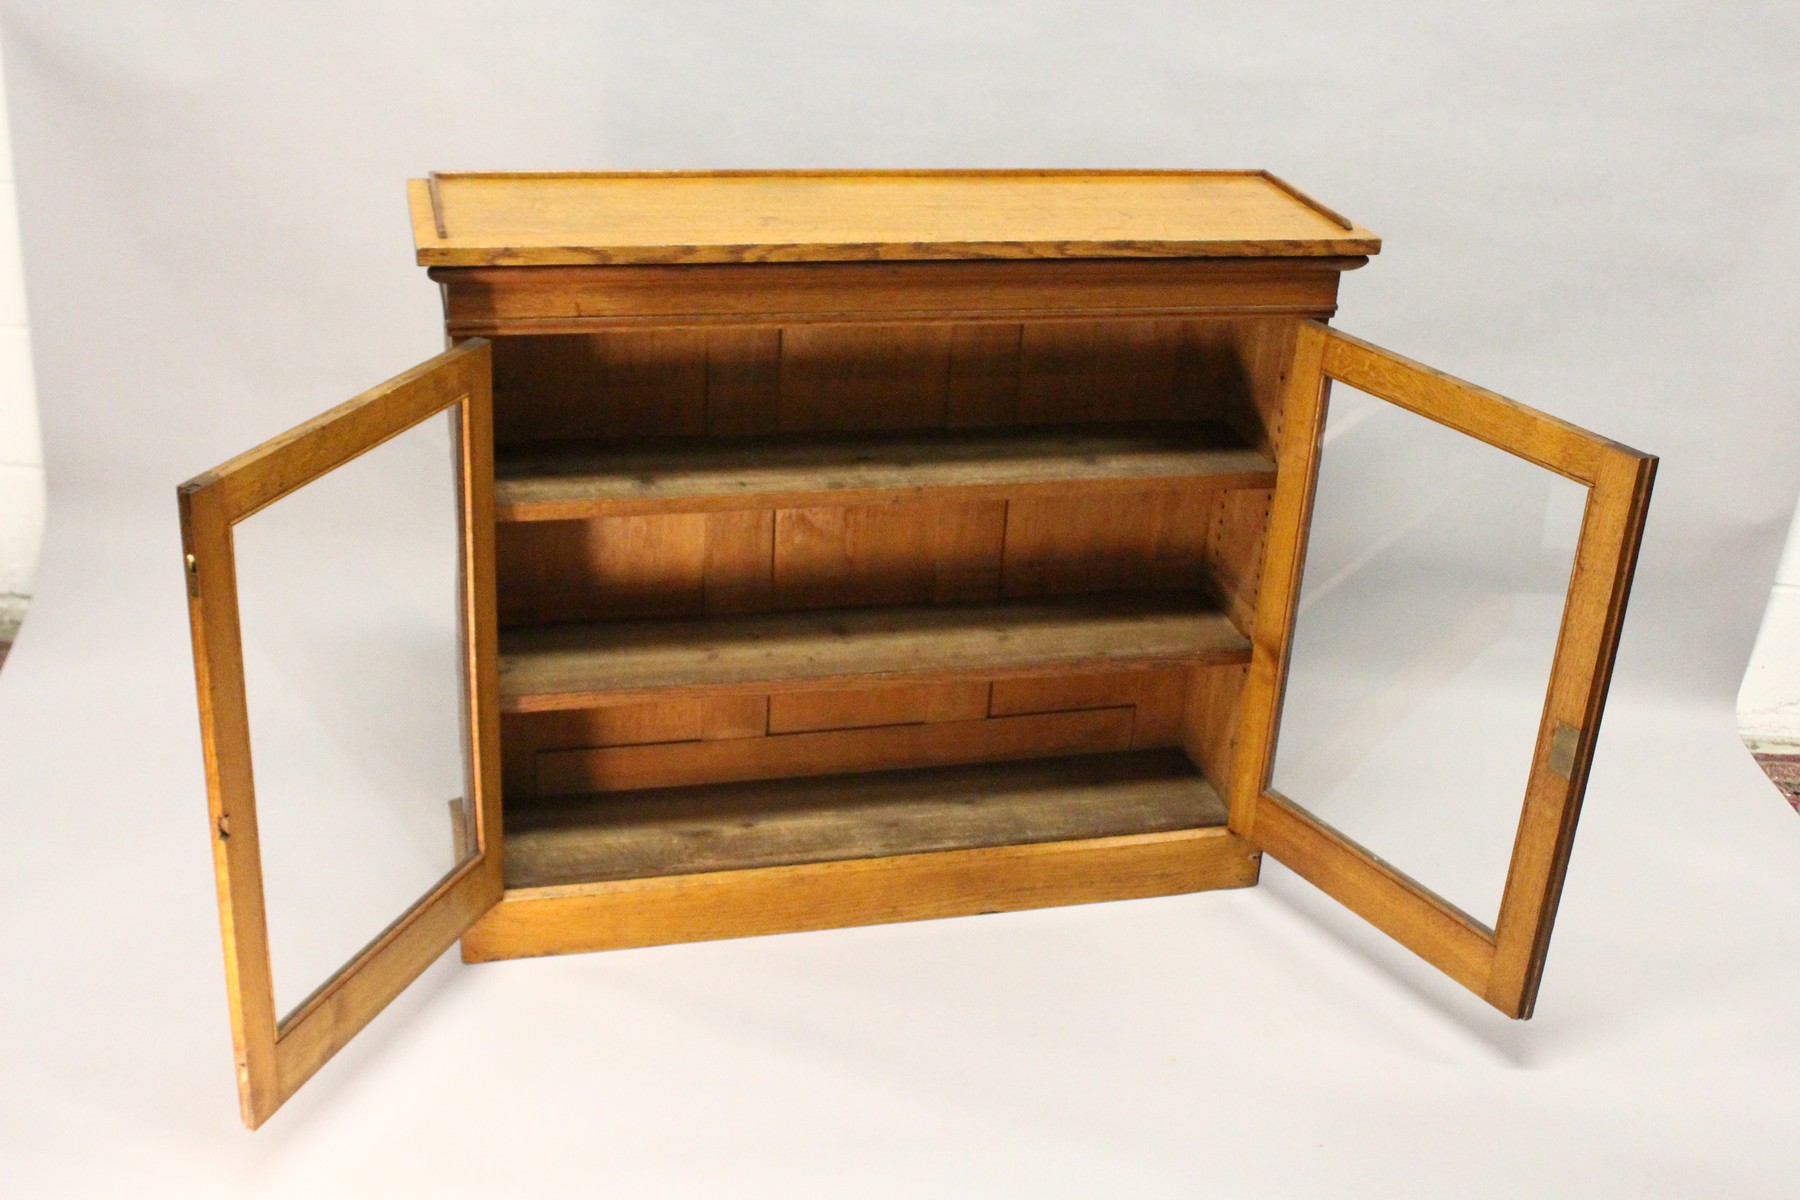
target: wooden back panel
757 379
581 357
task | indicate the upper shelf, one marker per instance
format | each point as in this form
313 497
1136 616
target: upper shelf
699 475
552 218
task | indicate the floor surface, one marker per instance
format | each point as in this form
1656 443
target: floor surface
1241 1044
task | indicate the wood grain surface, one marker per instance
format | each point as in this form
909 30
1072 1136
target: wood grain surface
1504 964
276 1053
858 891
574 666
685 830
820 216
555 301
579 481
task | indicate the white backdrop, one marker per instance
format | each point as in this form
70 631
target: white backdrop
1586 206
21 453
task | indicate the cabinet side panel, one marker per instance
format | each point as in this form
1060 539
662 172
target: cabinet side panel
1236 536
1258 359
1263 358
1210 718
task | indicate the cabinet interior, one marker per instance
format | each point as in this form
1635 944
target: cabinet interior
787 594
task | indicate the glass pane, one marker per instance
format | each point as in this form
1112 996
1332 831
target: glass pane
347 591
1436 575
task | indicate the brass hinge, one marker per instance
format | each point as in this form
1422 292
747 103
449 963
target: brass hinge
1563 744
193 576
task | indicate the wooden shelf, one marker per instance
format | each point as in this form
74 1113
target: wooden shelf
579 666
689 830
709 475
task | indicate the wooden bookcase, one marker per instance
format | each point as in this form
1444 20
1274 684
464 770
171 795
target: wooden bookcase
850 547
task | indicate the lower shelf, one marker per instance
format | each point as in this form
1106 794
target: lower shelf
667 909
721 827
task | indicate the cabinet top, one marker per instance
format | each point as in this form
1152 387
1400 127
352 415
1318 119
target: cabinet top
555 218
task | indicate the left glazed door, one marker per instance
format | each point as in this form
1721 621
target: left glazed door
340 587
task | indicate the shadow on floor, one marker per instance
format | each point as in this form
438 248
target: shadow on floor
12 615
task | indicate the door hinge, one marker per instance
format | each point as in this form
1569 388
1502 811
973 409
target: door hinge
1563 744
193 577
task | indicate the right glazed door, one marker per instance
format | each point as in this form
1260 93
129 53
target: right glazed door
1436 551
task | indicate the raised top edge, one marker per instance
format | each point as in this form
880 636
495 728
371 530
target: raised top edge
602 218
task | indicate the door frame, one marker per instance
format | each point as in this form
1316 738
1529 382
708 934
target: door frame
1504 965
276 1055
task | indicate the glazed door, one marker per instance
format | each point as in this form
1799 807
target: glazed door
340 588
1435 550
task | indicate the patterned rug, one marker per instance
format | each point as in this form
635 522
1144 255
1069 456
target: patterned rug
1784 769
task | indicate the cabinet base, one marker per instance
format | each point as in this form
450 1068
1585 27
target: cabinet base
867 891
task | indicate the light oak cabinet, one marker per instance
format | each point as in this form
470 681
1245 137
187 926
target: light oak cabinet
841 548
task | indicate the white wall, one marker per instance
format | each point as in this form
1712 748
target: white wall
21 452
1587 204
1769 704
